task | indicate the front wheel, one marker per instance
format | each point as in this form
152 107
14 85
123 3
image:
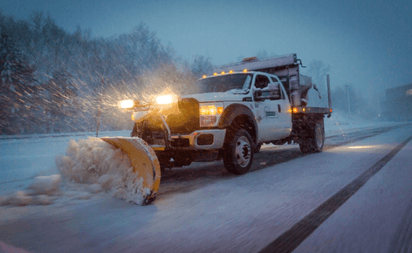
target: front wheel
257 148
238 154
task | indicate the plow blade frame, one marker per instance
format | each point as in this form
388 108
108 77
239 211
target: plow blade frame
144 162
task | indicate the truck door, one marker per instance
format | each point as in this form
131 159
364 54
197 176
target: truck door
284 122
266 111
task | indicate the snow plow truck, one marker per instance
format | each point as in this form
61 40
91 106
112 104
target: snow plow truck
235 110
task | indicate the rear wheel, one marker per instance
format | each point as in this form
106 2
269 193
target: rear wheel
315 138
304 147
238 154
319 137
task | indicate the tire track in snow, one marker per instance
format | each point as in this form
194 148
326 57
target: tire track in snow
190 178
270 157
402 241
292 238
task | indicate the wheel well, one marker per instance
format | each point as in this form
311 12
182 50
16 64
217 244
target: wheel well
302 125
245 122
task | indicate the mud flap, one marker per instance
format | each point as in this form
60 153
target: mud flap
144 162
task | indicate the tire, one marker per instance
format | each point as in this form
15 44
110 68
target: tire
164 163
315 139
238 153
319 137
257 148
304 147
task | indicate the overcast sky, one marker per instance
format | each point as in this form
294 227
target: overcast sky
367 43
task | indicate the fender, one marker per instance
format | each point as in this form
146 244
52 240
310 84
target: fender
234 110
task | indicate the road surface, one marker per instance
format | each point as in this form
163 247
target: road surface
353 197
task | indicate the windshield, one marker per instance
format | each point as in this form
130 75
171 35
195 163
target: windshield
223 83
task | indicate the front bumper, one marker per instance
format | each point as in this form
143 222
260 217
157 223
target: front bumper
202 140
209 139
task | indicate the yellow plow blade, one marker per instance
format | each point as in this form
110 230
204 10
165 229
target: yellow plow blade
144 162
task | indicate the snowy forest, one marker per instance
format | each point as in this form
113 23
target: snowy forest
54 81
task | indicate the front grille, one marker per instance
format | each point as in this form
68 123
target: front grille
180 143
187 120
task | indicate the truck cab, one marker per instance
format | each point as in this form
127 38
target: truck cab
259 95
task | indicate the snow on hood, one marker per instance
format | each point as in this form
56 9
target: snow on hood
232 95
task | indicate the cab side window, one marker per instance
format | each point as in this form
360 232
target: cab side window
282 94
261 81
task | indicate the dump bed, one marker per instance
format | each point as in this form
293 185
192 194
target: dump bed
286 67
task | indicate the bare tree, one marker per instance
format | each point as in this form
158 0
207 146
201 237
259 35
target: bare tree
201 66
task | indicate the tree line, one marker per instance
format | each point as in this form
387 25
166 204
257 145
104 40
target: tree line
52 80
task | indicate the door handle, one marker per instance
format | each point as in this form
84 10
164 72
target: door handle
279 108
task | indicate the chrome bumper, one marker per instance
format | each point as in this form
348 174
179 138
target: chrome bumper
191 140
218 139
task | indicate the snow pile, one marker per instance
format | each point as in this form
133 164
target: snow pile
103 168
42 191
45 185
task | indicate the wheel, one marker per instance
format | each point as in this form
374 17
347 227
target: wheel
319 137
304 147
315 139
164 162
238 155
257 148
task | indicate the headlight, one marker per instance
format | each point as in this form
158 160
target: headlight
208 110
211 109
126 104
210 114
166 99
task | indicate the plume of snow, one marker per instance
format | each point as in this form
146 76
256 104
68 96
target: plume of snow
103 167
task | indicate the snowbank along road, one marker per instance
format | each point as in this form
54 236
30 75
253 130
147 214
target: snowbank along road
353 197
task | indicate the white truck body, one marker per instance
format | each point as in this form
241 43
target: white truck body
236 112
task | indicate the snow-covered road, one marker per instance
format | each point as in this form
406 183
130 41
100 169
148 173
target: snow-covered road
201 208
